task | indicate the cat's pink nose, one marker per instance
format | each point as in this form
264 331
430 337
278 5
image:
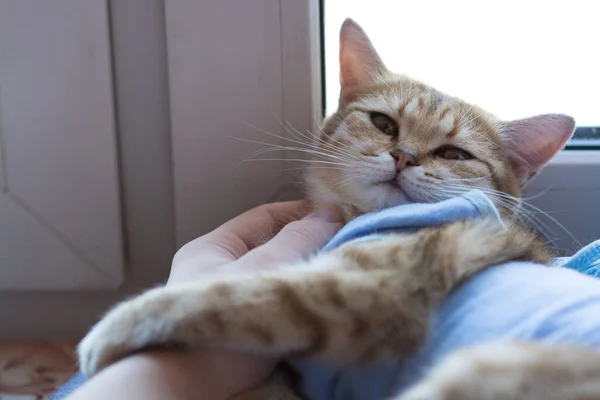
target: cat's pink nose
404 158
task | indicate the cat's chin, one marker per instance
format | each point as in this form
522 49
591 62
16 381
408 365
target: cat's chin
386 195
396 197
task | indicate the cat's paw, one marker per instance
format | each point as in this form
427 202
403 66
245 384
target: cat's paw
131 326
111 339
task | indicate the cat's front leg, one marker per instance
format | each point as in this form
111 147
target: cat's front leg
515 371
317 309
356 304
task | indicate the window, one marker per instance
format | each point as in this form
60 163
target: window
515 58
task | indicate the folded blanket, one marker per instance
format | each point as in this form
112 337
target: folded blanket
586 260
410 217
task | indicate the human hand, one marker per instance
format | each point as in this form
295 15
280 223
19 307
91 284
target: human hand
266 237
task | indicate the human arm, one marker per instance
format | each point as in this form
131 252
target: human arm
259 239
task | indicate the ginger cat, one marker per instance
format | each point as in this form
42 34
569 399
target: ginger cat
392 141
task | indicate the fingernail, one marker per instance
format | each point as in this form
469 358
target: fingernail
328 214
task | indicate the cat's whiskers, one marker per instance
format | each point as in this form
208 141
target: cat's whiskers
537 195
321 158
349 169
530 210
300 160
275 147
522 209
430 197
346 179
331 149
311 145
300 150
521 214
335 145
317 167
316 141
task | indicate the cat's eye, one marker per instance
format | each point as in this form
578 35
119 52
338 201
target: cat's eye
453 153
384 123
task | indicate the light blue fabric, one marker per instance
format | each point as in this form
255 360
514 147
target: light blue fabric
409 217
516 300
75 382
586 260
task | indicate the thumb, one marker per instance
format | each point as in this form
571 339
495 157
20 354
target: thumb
297 240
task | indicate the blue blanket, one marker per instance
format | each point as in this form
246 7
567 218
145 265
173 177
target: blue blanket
511 301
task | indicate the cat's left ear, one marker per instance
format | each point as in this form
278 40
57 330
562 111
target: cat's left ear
360 65
532 142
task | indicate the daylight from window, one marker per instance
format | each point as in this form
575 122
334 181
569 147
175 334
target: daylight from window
515 58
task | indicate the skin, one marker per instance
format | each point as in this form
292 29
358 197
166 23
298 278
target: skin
257 240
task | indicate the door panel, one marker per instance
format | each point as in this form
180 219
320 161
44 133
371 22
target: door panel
225 80
60 222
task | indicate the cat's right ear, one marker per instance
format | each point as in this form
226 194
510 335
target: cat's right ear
360 65
532 142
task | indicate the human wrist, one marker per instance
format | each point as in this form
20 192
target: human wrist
204 374
177 375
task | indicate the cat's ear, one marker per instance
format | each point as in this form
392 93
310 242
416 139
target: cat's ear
532 142
360 65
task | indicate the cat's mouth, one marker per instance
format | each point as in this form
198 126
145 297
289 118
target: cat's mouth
391 183
394 187
394 183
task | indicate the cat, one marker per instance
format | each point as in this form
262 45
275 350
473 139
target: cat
392 141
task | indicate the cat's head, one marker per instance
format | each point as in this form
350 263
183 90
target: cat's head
395 140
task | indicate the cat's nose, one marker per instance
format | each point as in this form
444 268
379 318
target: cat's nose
404 158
